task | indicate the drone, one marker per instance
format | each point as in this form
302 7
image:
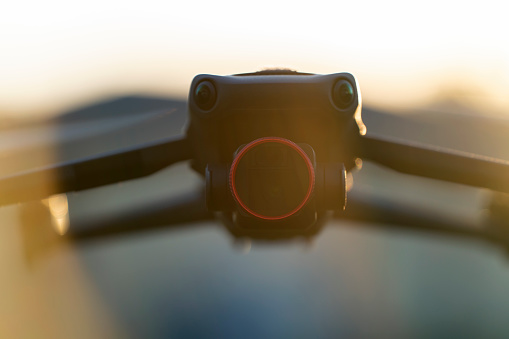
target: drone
274 148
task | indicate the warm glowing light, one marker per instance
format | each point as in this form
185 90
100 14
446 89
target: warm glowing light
59 209
358 163
349 181
403 53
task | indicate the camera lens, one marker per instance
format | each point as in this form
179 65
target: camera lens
271 178
269 155
205 95
343 94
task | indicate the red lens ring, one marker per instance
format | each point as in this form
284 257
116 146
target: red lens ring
243 151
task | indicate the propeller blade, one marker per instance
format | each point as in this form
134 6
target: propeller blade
436 162
102 169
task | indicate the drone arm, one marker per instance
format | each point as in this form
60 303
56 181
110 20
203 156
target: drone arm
371 211
93 171
172 212
436 162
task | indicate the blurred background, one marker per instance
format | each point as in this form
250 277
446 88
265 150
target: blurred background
56 54
80 78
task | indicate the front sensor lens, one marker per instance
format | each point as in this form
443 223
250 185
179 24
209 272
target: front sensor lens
205 95
343 94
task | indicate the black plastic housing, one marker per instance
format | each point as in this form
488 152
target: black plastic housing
298 107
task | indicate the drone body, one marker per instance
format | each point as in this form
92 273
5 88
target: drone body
247 132
295 106
274 148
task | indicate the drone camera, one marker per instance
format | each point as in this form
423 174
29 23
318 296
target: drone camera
272 147
274 185
272 178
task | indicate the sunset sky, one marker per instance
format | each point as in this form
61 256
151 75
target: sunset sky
58 54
